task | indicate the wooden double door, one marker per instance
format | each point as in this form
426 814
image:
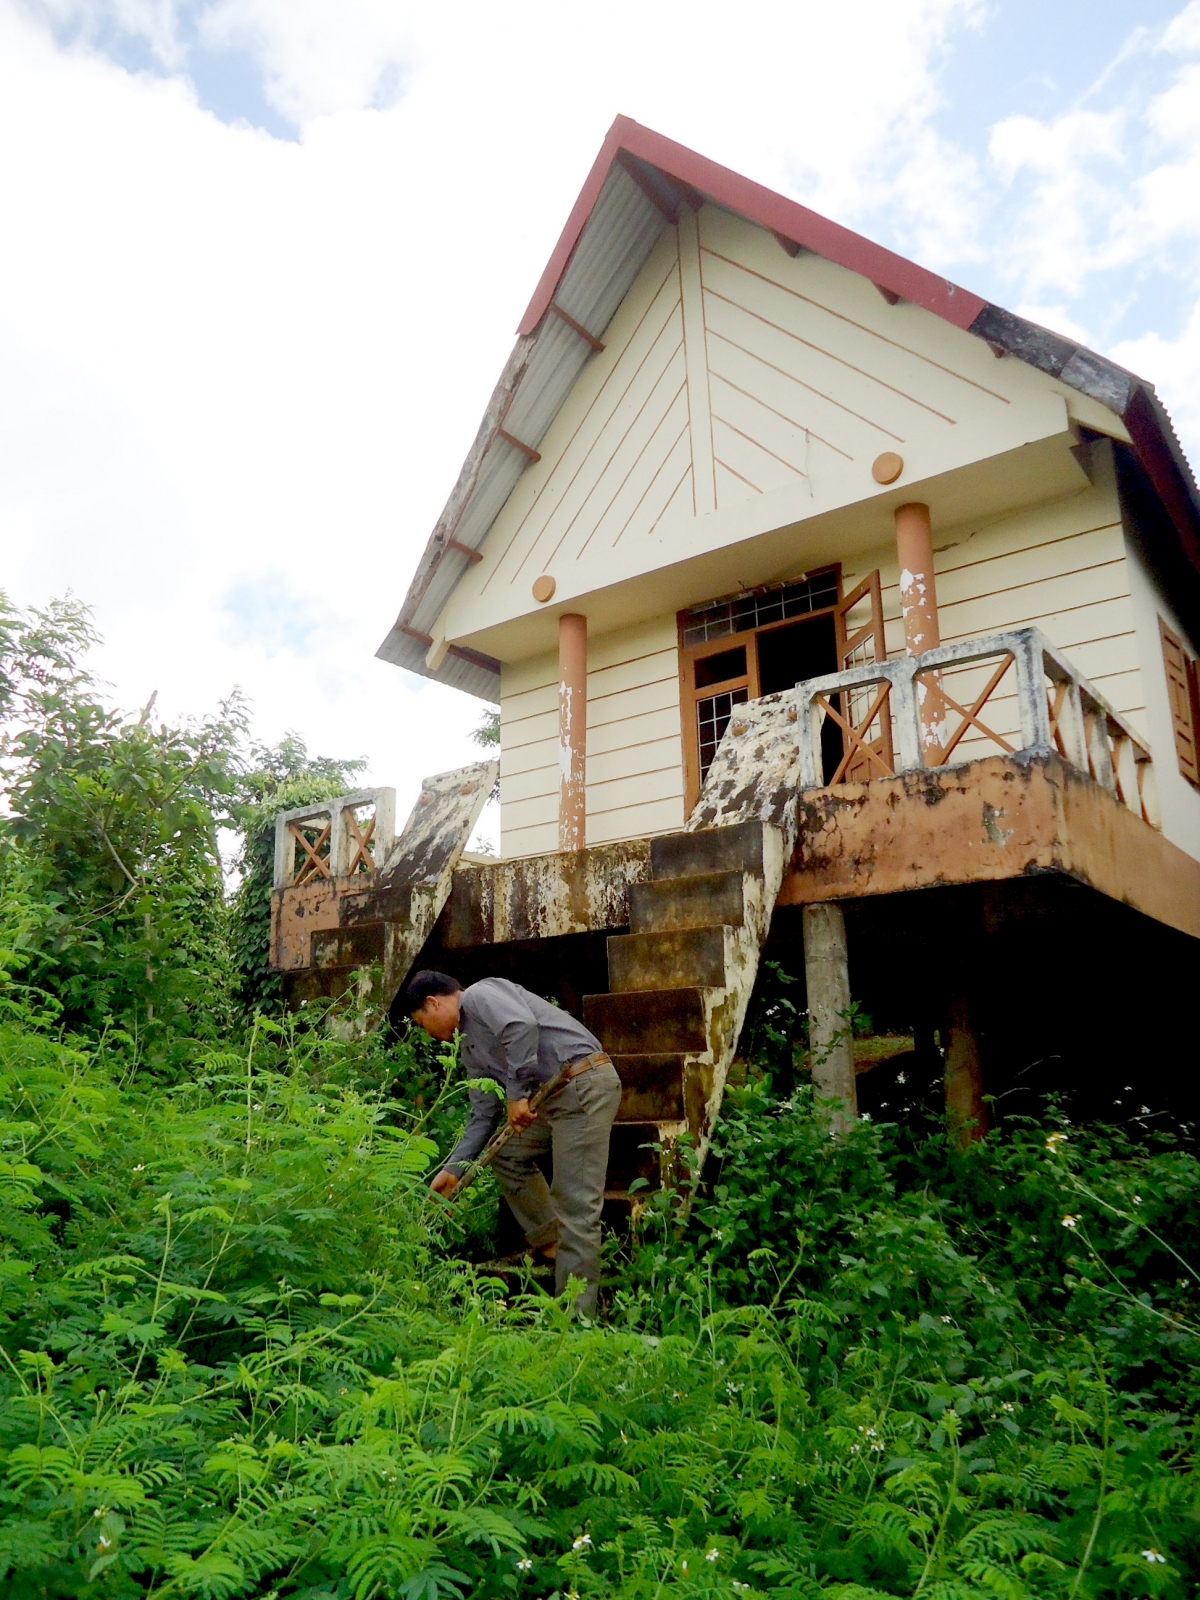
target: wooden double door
735 650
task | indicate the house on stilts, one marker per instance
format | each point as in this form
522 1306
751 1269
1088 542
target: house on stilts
836 617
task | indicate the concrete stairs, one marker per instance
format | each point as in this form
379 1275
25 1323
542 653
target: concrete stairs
680 981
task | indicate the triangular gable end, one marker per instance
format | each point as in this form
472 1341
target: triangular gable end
728 381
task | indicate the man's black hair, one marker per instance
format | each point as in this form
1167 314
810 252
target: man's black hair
424 983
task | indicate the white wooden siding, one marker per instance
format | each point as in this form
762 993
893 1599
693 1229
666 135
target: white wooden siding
732 372
635 759
1060 568
1178 800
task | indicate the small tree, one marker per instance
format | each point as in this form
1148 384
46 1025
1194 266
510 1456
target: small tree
116 819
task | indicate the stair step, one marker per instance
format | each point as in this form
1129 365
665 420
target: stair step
648 1022
686 956
630 1154
687 855
349 948
651 1087
703 901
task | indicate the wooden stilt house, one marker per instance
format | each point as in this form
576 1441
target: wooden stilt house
831 610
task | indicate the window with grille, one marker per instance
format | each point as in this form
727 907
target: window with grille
759 608
712 718
735 649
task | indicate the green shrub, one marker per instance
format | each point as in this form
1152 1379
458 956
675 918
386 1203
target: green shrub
241 1357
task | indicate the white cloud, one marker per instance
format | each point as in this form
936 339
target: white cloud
238 373
1104 208
317 58
1175 365
1068 200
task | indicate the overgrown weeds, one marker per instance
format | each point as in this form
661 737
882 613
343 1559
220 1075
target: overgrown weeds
241 1357
243 1354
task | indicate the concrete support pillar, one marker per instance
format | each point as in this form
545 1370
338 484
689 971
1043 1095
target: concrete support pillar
918 601
572 732
966 1114
830 1036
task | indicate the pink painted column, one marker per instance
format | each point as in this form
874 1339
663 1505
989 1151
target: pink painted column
918 602
572 732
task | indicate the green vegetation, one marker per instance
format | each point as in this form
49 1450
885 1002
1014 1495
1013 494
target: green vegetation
242 1355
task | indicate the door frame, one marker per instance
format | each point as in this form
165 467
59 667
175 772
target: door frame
690 654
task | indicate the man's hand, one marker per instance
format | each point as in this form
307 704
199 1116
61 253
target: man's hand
444 1184
519 1114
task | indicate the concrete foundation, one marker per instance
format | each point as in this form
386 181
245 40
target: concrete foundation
830 1032
966 1114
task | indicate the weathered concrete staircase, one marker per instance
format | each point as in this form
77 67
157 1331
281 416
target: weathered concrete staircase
680 982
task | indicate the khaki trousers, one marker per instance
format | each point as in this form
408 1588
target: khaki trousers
575 1126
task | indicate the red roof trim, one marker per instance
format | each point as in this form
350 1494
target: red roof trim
763 206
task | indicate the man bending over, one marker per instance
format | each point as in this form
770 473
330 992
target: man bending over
521 1041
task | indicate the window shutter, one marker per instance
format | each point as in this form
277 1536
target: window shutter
865 644
1182 694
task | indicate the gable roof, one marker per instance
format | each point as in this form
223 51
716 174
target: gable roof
635 190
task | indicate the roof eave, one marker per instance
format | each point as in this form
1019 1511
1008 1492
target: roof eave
786 218
690 177
1131 398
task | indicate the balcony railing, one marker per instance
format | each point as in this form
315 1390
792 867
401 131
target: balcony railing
1011 693
346 837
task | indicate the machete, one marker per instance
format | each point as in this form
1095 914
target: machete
498 1140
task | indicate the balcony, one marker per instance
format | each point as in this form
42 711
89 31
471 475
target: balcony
928 711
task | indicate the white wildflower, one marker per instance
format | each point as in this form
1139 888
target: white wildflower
1137 1199
734 1388
712 1555
1053 1140
1070 1222
141 1167
105 1543
902 1077
1153 1556
1007 1405
584 1542
947 1319
525 1564
717 1234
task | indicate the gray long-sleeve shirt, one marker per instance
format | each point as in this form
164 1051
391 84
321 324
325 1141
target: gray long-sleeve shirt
519 1040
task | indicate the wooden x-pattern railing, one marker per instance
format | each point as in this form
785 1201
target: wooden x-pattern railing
1068 717
316 851
361 859
349 836
871 757
1057 702
935 684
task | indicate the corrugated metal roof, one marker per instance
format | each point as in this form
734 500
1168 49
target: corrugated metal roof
612 229
621 232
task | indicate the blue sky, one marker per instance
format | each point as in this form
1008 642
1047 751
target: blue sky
263 259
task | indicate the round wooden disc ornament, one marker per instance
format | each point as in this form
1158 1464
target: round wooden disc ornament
543 587
887 467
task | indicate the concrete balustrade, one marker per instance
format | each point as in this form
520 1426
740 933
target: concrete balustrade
1058 711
